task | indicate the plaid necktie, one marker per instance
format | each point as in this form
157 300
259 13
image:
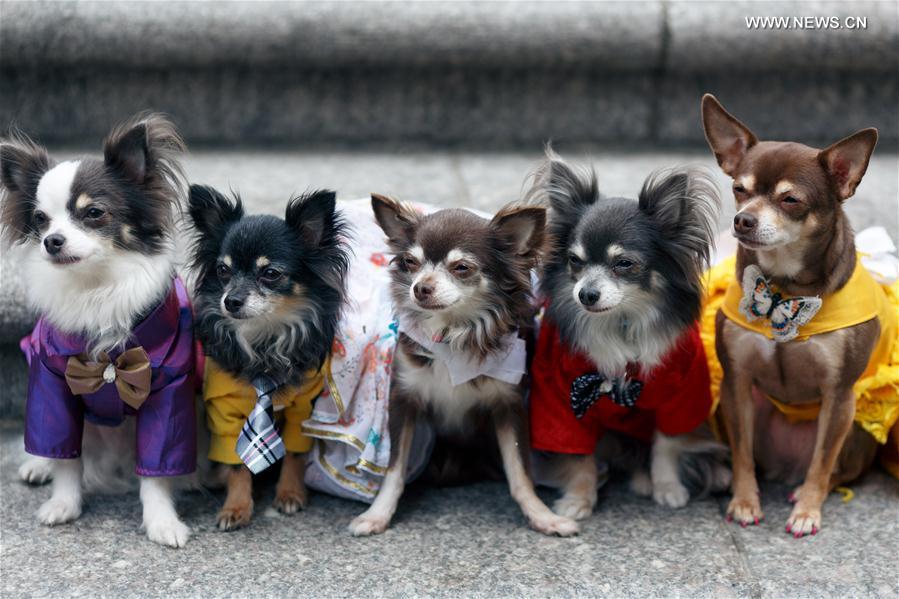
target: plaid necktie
259 444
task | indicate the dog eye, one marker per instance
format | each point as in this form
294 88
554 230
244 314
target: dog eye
790 200
223 271
575 260
271 275
40 219
461 268
410 263
94 213
739 188
623 265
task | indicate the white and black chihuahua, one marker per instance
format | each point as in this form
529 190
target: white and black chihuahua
619 357
268 298
97 237
462 291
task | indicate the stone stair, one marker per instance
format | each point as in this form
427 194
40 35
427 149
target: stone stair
482 73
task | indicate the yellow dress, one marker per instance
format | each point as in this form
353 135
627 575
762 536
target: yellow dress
229 402
862 298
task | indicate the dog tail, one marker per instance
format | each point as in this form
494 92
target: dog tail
702 466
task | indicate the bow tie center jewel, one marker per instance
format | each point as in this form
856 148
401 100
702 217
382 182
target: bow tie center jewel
109 373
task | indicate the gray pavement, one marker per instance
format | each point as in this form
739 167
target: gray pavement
464 541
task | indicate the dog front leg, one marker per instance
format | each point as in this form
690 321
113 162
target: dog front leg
290 493
834 424
579 479
377 518
238 508
512 446
161 521
667 488
738 411
65 500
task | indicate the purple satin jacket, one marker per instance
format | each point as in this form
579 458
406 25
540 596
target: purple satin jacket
166 437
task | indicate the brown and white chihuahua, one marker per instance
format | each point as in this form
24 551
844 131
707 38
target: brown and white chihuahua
790 224
462 291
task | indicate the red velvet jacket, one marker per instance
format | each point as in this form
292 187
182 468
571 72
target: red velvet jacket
675 397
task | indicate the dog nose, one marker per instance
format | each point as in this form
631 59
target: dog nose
588 297
422 291
233 304
53 243
744 223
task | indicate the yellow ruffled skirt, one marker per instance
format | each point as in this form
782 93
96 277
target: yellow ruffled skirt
877 392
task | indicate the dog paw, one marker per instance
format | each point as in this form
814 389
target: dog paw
803 521
641 484
58 511
169 531
670 493
234 517
745 511
573 507
367 525
289 502
36 470
554 525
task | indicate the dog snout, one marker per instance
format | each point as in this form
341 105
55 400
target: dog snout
745 223
233 303
588 296
53 243
423 291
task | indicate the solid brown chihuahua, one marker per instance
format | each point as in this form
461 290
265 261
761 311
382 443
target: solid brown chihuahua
796 253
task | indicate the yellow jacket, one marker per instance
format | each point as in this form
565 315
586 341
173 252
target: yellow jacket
861 299
229 402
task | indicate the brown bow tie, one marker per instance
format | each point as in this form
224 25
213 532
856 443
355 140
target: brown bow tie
131 373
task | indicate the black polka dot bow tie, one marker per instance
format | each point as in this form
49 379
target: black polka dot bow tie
588 388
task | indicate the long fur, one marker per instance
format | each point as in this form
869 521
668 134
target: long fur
669 231
312 242
142 179
674 218
502 305
119 266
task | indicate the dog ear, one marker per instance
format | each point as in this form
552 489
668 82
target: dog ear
728 138
22 163
143 145
685 206
397 220
312 215
211 212
521 226
847 160
566 189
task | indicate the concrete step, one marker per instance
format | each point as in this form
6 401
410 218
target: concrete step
482 180
486 73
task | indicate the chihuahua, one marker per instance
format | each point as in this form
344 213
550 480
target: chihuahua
268 297
620 372
462 291
100 262
793 238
